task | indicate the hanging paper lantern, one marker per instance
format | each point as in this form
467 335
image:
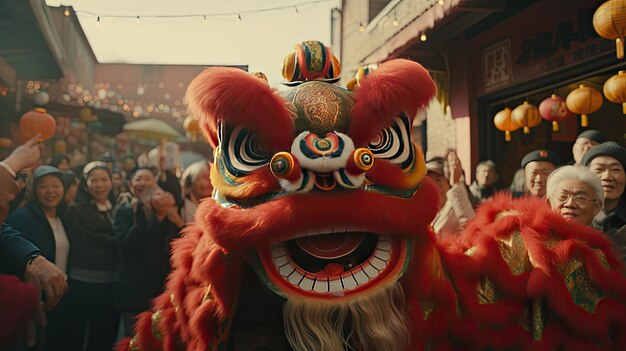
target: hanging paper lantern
60 146
526 115
85 114
554 109
41 98
609 21
38 121
615 89
505 123
192 126
6 143
584 101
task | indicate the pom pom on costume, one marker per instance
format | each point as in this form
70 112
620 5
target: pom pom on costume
318 234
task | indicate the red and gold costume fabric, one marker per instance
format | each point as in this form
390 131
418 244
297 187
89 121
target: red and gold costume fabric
318 234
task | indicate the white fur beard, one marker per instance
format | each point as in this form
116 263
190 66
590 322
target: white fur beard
374 323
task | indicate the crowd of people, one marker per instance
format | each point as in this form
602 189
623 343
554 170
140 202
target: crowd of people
588 189
75 233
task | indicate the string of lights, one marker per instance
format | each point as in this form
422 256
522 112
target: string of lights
298 8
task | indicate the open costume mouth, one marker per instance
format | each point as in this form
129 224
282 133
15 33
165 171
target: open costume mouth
333 264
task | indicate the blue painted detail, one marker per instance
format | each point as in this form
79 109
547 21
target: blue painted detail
344 177
224 172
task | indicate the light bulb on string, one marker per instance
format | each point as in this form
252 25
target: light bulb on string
395 20
204 20
441 2
296 8
98 22
138 20
66 12
423 37
239 20
361 28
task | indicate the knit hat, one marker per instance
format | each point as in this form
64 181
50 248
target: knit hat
594 135
610 148
542 155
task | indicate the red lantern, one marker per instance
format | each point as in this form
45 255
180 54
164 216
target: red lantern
38 121
554 109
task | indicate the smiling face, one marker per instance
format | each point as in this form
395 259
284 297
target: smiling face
536 174
142 179
575 200
611 174
99 185
49 191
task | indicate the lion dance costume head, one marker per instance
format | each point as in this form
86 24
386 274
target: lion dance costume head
318 235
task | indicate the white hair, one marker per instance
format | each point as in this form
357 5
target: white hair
579 173
373 323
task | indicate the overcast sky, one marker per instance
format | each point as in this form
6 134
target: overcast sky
260 40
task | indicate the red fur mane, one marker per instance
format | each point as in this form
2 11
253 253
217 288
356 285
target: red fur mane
397 86
233 96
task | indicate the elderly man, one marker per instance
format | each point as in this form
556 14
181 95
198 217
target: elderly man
608 161
485 184
575 193
537 167
585 141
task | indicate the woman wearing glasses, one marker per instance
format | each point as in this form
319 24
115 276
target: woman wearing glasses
575 193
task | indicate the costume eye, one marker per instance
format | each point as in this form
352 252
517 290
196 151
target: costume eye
242 151
394 143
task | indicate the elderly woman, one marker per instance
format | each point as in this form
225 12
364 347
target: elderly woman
196 185
576 193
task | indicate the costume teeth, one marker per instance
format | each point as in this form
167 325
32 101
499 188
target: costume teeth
323 284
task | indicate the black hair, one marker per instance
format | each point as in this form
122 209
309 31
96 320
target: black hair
82 195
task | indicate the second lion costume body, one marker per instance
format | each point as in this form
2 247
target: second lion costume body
318 234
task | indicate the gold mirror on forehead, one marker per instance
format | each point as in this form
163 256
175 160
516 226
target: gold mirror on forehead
320 107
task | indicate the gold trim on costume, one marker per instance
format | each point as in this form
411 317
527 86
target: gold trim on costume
156 321
486 290
514 253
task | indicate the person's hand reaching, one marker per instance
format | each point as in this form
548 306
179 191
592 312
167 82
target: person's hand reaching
25 155
456 171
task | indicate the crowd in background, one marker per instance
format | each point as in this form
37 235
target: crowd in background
106 228
86 225
588 189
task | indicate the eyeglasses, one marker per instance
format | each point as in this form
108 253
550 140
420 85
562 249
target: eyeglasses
580 200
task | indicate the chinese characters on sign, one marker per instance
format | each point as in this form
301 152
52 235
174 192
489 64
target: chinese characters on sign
497 64
545 44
